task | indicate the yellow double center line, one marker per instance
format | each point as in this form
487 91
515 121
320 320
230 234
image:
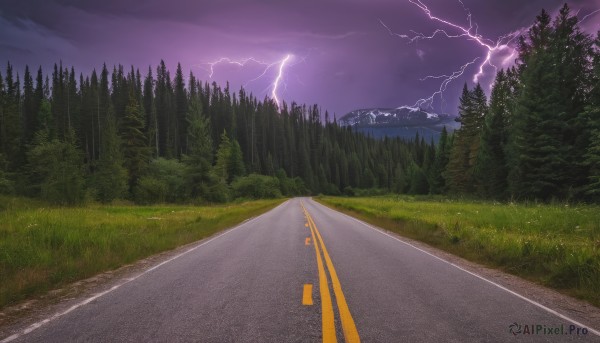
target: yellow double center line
348 326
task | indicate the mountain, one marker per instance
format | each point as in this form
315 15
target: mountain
402 122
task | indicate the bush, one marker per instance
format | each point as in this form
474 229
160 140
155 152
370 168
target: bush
256 186
58 167
298 187
172 174
109 182
150 190
331 189
349 191
290 186
219 191
6 184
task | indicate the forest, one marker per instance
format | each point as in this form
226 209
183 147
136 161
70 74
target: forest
71 138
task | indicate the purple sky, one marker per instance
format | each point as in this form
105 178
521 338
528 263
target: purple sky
343 57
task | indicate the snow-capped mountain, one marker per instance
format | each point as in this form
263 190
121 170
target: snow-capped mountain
404 115
403 122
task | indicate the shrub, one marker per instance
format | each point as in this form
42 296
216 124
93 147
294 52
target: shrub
348 191
331 189
6 184
219 191
150 190
58 166
256 187
290 186
172 174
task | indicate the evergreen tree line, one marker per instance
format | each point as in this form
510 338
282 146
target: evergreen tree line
117 135
538 137
159 138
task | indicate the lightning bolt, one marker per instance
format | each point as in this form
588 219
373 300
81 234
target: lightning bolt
446 80
588 15
470 33
278 78
243 62
490 46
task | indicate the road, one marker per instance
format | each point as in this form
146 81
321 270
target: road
304 273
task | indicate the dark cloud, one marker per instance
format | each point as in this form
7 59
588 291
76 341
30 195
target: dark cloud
343 57
15 50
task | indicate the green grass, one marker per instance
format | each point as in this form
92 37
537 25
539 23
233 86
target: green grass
43 247
554 245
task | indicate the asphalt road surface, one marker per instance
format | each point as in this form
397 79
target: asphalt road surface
305 273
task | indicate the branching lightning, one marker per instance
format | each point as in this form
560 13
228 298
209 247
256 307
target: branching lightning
446 80
267 66
470 33
492 48
242 62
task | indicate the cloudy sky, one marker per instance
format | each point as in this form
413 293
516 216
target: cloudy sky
342 56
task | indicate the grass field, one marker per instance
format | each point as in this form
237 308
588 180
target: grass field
43 247
555 245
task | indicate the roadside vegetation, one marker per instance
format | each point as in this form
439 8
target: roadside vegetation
43 247
555 245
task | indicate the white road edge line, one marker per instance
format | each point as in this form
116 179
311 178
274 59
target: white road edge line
533 302
37 325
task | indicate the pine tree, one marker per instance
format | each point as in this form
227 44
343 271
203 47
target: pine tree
180 111
534 139
219 191
592 113
29 107
571 55
121 87
200 156
437 183
223 157
38 95
400 182
162 105
367 179
103 100
461 165
135 149
592 159
10 121
3 122
491 166
475 126
151 127
111 176
45 118
72 101
417 180
236 161
548 138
